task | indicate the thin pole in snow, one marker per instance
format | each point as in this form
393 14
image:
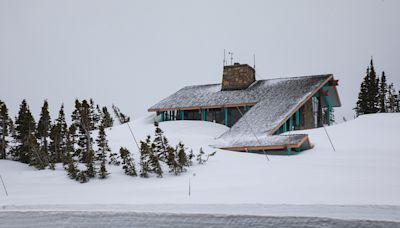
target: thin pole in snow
134 138
329 138
4 186
259 142
189 186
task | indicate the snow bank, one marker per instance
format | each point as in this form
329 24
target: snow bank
363 171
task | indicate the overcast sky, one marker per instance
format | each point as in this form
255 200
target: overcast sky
135 53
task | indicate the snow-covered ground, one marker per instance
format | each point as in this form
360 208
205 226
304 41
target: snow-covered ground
363 173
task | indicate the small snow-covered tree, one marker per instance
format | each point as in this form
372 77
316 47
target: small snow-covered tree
128 163
145 158
182 157
200 159
172 161
160 142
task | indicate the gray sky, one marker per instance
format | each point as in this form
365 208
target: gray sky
135 53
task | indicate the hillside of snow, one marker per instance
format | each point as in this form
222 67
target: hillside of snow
364 170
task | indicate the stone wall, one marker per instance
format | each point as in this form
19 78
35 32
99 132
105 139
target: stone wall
238 76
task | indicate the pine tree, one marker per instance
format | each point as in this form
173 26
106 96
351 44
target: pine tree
25 128
82 177
172 160
190 157
90 164
392 99
4 126
85 124
368 97
383 90
113 159
93 116
43 130
103 171
58 137
128 164
68 159
102 150
199 157
182 157
106 120
373 90
145 158
155 165
160 142
120 116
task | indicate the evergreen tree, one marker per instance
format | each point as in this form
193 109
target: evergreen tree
120 116
58 137
93 115
172 160
160 142
190 157
373 90
145 158
25 128
4 126
392 99
70 165
37 156
106 120
199 157
155 165
82 177
103 171
182 157
128 164
90 164
102 150
113 159
383 90
43 130
85 124
368 97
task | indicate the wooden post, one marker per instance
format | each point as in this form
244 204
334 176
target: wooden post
226 116
182 114
284 128
291 123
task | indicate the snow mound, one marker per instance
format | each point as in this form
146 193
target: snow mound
363 171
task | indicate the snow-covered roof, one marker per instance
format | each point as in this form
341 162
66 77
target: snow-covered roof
274 100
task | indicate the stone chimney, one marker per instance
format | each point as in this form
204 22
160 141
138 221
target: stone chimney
238 76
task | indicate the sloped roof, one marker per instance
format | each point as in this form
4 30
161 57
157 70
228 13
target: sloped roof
274 100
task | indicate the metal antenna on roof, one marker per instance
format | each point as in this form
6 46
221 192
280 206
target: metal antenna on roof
254 62
231 54
258 140
224 62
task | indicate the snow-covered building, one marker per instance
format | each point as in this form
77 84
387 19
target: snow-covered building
260 113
